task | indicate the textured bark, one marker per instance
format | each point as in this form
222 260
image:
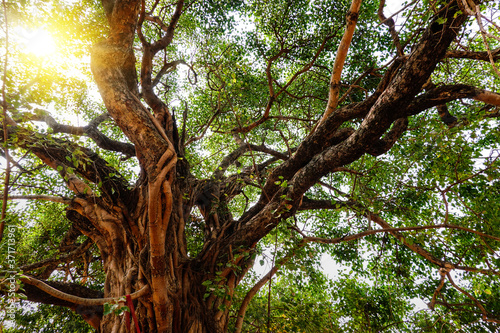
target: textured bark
333 95
140 230
177 303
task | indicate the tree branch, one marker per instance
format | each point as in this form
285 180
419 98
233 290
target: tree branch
442 272
68 158
390 105
488 97
62 200
352 18
312 204
170 67
283 88
486 315
79 300
90 130
479 21
6 180
392 231
384 144
389 22
481 55
447 93
169 35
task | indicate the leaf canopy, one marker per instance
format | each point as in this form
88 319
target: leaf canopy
255 76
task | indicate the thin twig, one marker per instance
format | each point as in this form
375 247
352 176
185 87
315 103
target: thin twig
485 42
4 124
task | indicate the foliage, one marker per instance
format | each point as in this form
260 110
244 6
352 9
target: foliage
246 83
45 319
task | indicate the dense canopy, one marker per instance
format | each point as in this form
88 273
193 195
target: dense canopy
250 166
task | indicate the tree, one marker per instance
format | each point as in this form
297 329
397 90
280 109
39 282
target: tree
170 202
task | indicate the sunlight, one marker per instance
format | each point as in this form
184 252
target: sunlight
43 49
38 42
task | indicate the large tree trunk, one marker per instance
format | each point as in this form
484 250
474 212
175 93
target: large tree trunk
142 239
141 234
123 238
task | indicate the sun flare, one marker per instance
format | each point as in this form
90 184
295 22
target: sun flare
39 42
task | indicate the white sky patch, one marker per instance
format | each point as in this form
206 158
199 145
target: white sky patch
392 7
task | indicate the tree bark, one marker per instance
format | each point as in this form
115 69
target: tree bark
140 232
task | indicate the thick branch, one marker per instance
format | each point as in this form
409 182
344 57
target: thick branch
327 134
68 158
312 145
76 299
91 314
484 55
488 97
41 197
390 105
162 114
169 35
389 139
125 108
444 94
90 130
352 18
